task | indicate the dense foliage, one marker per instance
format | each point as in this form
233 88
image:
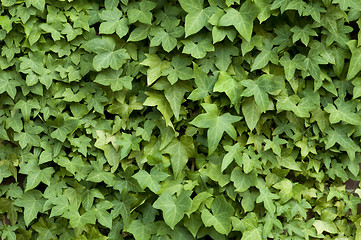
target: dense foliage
189 119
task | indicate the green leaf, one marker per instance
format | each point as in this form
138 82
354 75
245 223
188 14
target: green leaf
243 181
113 22
254 234
303 34
67 127
78 221
259 89
152 180
355 62
113 59
27 106
175 97
180 152
140 230
30 136
156 66
267 54
45 229
230 86
220 218
267 197
8 83
233 153
32 203
343 112
35 175
340 135
204 84
325 226
216 125
223 55
166 37
159 100
173 208
242 20
39 4
251 112
198 49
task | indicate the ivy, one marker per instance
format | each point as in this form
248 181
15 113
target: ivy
189 119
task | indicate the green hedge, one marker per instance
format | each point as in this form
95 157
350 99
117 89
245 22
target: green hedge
189 119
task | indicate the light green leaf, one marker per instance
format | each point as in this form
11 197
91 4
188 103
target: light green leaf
216 125
230 86
152 180
32 203
251 112
254 234
220 218
180 152
173 208
156 66
325 226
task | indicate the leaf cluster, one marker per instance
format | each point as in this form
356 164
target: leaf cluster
189 119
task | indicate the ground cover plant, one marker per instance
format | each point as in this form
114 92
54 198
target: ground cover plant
189 119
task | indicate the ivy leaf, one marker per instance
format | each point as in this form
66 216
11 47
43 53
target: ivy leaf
179 69
159 100
27 106
8 83
113 22
197 17
30 136
325 226
32 202
114 59
151 180
251 112
355 62
303 34
204 84
259 89
46 230
68 127
128 142
340 135
180 152
254 234
77 220
156 66
173 208
175 97
141 11
198 48
243 181
216 125
343 112
167 37
233 153
230 86
39 4
267 197
220 218
35 175
268 53
140 230
242 20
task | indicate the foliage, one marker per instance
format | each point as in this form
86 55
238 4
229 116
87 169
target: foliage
189 119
